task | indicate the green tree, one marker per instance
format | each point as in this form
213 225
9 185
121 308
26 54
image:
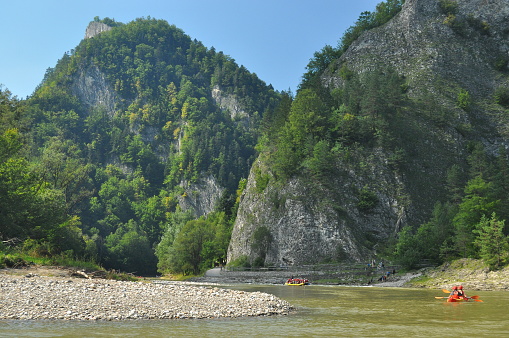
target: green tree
187 249
406 251
321 163
164 250
464 100
306 125
129 250
68 237
455 183
493 244
28 206
62 166
476 203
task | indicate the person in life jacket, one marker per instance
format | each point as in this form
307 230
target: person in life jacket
461 293
454 293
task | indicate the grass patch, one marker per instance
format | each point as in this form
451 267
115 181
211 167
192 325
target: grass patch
121 276
19 259
176 277
422 280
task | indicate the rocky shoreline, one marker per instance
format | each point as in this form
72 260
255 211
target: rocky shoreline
218 276
473 274
39 297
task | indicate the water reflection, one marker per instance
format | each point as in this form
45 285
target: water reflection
320 311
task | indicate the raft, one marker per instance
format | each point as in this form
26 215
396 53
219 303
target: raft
297 282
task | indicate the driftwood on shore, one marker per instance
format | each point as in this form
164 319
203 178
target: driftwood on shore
81 274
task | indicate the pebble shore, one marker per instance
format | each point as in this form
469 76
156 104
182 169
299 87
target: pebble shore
36 297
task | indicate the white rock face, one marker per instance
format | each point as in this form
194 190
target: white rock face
93 89
95 28
229 102
201 197
309 224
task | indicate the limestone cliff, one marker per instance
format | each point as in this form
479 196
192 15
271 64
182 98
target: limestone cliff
93 89
230 103
95 28
439 54
201 197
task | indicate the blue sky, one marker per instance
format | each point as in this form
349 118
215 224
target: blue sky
274 39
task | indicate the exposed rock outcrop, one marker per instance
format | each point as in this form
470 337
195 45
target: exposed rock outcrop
310 224
422 43
230 103
95 28
201 197
93 89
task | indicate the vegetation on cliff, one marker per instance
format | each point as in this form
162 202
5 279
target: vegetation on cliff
432 135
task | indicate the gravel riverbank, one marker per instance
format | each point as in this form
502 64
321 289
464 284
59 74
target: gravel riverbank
37 297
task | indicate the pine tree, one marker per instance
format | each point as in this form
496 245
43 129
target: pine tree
493 244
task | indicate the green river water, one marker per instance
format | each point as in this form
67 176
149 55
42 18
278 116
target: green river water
320 312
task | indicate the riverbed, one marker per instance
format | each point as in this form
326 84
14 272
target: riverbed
320 311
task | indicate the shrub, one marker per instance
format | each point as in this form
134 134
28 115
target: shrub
502 96
37 249
501 63
259 262
242 261
481 26
464 100
367 200
448 7
11 261
261 179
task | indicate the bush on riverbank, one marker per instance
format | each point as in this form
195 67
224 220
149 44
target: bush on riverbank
17 259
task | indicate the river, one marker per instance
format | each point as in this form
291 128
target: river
320 311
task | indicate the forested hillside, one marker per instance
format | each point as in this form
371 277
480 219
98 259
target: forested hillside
393 148
135 132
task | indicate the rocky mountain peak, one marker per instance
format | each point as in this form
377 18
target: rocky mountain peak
94 28
460 40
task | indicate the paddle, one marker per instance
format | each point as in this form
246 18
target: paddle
474 298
